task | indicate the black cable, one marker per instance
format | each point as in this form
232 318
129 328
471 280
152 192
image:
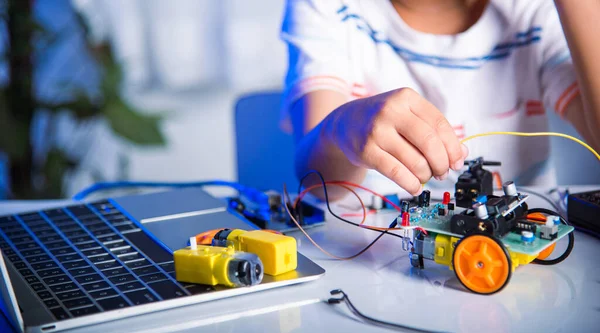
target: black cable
331 211
541 196
571 238
393 224
344 298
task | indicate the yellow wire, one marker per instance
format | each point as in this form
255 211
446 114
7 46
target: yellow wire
534 134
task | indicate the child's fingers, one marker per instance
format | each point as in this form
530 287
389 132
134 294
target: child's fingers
391 168
408 155
427 140
423 109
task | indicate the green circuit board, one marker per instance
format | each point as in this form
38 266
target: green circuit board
513 241
428 219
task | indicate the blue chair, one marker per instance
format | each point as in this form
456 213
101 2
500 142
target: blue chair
265 154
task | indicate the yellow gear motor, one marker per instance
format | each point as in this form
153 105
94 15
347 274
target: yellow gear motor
212 265
277 252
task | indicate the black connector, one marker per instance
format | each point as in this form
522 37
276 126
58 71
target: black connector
474 182
424 198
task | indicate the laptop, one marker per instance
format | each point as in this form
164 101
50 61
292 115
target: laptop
86 263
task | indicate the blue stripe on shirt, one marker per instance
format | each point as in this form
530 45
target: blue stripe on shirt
500 51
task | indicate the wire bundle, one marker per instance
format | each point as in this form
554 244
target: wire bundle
347 185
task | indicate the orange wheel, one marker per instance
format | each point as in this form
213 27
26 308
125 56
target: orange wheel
482 264
547 252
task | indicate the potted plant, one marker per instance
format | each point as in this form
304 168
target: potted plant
31 176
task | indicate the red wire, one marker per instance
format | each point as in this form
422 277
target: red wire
368 190
369 212
342 183
379 195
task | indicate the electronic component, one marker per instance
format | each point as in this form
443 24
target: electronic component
474 182
481 211
550 229
213 265
446 198
377 202
434 246
424 198
497 216
527 237
405 219
404 206
442 211
277 252
269 212
584 209
510 189
525 226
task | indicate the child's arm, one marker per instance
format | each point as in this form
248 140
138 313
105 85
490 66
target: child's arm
580 20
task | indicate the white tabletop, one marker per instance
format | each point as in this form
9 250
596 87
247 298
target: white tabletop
383 284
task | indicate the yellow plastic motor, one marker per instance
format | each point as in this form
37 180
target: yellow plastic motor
213 265
277 252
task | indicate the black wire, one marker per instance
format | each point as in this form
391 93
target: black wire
337 216
571 238
369 319
393 224
541 196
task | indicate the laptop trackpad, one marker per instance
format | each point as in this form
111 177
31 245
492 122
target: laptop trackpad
176 232
175 216
154 206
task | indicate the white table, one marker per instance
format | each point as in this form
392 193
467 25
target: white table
383 284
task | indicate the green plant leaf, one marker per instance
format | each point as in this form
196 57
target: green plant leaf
81 106
133 126
113 74
125 121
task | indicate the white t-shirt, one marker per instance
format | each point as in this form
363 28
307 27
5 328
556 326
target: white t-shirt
502 74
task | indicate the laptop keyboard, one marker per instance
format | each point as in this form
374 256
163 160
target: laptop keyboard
85 259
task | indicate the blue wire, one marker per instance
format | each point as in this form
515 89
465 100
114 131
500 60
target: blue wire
252 193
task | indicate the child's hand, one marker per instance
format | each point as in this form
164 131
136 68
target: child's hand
399 134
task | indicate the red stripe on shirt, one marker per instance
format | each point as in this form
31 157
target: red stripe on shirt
565 98
534 108
506 114
565 102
